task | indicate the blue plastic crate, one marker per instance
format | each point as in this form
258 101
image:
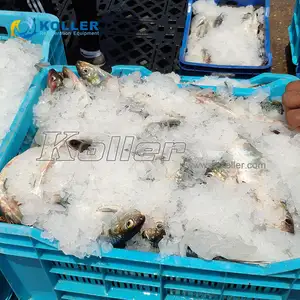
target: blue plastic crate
248 71
6 292
53 52
36 269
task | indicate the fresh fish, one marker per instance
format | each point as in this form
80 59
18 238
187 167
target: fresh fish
268 106
219 20
79 145
189 174
55 80
191 253
125 228
67 73
3 219
287 224
220 170
9 209
199 26
206 56
41 65
135 107
92 74
154 127
155 234
242 153
247 16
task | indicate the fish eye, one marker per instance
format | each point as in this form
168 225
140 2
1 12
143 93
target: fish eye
159 225
288 221
85 70
129 224
53 77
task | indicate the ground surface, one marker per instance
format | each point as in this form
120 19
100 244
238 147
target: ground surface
280 19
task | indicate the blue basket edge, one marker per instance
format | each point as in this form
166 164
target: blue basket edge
274 268
191 66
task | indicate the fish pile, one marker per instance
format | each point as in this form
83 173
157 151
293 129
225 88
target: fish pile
17 61
139 163
225 35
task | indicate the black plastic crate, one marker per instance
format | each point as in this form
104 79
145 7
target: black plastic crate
139 9
67 16
58 6
111 24
176 12
136 32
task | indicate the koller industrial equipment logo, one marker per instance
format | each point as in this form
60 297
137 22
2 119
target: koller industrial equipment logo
26 29
23 28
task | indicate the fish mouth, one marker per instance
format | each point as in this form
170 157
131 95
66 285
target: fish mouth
69 74
288 225
141 220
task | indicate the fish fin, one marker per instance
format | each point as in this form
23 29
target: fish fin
41 65
107 210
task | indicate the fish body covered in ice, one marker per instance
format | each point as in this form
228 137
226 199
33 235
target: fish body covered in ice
219 20
9 209
54 80
237 163
190 173
79 145
154 234
206 56
200 26
269 106
124 228
220 170
209 245
92 74
17 179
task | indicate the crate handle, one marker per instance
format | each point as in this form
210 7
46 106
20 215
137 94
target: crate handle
267 78
3 33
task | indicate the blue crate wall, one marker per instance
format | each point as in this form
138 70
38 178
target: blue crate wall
36 269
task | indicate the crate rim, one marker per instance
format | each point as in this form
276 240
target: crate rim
193 66
157 259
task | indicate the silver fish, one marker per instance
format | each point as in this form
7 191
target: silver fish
79 145
219 20
92 74
124 228
199 26
154 234
189 174
206 56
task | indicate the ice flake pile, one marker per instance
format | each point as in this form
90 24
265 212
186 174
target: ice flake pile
207 209
225 35
17 60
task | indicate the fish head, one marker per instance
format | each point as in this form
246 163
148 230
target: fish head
269 106
88 72
154 235
9 210
218 170
79 145
127 226
54 81
67 73
288 225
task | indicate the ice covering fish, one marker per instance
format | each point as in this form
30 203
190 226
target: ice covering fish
153 167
